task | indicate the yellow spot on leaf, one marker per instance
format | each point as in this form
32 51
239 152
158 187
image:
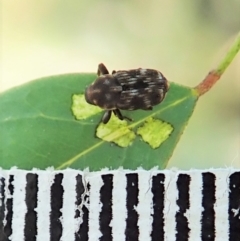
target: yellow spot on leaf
155 132
116 131
81 109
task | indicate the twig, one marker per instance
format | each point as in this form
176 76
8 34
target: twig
215 75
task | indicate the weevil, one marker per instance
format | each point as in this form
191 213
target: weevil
126 90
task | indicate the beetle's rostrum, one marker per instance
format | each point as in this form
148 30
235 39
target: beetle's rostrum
126 90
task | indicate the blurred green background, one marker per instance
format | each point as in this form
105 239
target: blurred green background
182 39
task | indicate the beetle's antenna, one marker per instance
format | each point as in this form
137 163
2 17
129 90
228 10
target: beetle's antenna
102 69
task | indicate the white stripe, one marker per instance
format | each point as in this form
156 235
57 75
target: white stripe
145 205
170 205
119 210
194 213
69 206
221 205
45 181
95 205
19 205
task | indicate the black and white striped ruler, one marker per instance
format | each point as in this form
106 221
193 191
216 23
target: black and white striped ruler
120 205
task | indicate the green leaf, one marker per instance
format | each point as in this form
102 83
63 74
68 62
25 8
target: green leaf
38 128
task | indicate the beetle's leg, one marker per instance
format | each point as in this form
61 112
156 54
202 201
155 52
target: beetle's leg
106 116
118 113
102 69
114 71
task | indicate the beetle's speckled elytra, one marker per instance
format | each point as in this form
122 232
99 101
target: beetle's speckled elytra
126 90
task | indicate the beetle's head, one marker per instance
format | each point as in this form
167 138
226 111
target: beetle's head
102 92
89 94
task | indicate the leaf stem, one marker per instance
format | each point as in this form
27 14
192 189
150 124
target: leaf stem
215 75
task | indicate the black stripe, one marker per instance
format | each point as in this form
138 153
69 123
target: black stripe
9 207
183 201
106 212
30 229
84 228
158 192
3 236
56 205
132 231
234 205
208 200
